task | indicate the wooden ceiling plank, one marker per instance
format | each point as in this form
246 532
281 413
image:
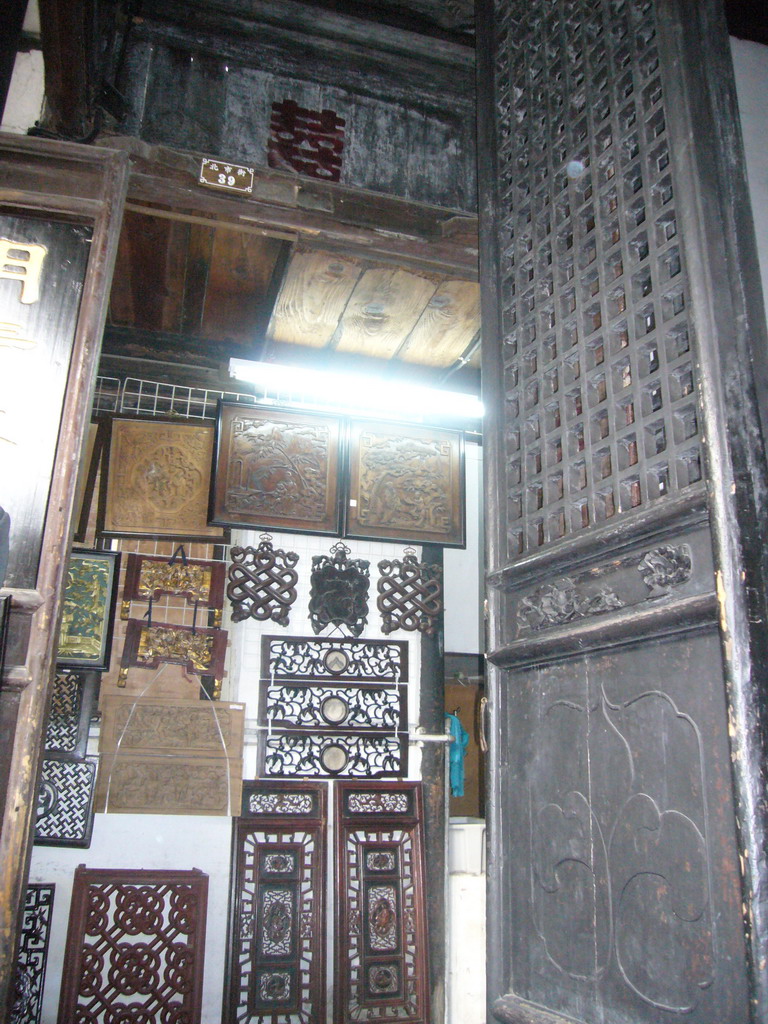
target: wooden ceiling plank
238 285
149 274
121 309
447 326
198 265
382 311
315 291
176 237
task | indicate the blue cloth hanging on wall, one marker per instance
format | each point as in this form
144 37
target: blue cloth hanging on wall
456 754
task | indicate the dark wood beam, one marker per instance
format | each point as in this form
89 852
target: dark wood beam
68 36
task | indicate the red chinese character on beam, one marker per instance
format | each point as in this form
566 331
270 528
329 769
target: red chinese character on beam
308 141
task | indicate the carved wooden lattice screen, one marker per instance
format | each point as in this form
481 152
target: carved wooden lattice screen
381 958
276 948
135 947
32 955
598 372
335 707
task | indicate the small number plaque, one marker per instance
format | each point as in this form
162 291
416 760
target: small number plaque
231 177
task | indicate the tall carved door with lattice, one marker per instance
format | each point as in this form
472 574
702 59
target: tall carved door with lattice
627 568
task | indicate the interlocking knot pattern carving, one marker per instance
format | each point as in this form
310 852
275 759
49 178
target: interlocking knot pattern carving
262 582
410 594
136 947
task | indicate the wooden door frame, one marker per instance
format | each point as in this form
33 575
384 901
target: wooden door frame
94 184
87 186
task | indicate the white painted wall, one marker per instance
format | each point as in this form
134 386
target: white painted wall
464 570
750 65
25 96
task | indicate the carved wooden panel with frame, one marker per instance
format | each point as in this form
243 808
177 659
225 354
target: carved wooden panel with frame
276 470
88 609
406 483
158 479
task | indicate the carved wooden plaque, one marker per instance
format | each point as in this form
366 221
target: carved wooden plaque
42 266
172 726
141 784
135 946
162 756
88 608
159 478
406 483
276 470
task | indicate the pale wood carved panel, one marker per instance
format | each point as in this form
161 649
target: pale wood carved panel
170 756
159 478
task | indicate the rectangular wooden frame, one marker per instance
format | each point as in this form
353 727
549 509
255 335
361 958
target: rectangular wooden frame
127 508
285 475
379 512
91 647
191 891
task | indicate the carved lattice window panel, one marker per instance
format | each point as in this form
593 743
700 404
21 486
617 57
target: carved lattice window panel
65 801
311 659
598 371
72 702
335 755
32 955
381 958
334 708
135 947
276 951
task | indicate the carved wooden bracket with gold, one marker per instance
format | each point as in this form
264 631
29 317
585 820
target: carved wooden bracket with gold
199 650
148 577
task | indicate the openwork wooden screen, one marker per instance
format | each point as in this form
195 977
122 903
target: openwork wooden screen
276 950
336 708
598 374
32 955
135 947
381 953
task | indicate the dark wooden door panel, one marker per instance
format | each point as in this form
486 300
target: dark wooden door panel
624 540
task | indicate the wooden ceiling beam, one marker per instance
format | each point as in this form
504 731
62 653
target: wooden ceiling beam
166 183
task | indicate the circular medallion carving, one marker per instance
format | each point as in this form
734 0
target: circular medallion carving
336 660
334 710
333 758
